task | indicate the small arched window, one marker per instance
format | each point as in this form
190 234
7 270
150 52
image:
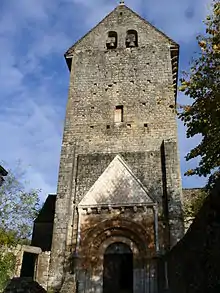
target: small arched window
112 40
131 39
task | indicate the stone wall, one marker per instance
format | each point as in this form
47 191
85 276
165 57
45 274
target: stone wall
133 226
40 267
146 166
193 264
139 79
192 199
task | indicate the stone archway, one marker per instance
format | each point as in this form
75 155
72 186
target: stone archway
95 245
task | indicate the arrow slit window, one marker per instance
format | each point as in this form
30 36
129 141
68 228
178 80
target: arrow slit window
112 40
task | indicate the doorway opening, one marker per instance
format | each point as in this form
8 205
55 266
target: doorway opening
118 269
28 265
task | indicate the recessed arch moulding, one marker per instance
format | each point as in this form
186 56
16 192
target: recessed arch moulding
134 228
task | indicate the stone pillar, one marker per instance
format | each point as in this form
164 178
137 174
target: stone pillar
173 190
63 220
43 269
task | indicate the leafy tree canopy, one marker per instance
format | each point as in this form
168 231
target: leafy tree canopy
18 208
202 85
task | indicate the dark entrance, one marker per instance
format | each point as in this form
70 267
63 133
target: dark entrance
28 265
118 269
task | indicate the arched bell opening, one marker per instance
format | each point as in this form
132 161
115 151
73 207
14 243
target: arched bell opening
118 269
131 39
112 40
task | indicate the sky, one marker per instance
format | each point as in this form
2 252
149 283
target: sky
34 35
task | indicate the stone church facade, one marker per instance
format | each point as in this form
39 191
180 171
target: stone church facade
119 199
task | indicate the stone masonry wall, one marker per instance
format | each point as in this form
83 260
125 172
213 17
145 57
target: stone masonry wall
190 195
42 269
41 265
134 227
146 166
139 79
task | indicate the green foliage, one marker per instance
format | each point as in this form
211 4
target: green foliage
202 85
7 266
18 208
192 206
11 238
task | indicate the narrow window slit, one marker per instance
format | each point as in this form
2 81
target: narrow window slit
119 113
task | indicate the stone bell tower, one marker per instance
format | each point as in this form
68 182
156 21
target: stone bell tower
119 192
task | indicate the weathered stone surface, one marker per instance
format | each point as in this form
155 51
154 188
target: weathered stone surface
42 272
117 186
190 195
69 285
31 249
121 104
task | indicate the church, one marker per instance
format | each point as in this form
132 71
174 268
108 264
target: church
118 206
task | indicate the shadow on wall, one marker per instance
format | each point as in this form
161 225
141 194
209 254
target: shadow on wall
23 285
193 265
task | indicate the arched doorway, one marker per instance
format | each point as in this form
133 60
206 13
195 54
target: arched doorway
118 269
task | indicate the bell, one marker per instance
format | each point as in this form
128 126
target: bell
111 44
132 44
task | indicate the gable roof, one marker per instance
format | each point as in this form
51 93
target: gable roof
116 186
70 50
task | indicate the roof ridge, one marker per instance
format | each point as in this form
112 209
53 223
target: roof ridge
132 11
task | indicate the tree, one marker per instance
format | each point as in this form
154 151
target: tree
202 85
18 208
7 265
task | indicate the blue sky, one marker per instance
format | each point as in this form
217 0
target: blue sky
34 35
